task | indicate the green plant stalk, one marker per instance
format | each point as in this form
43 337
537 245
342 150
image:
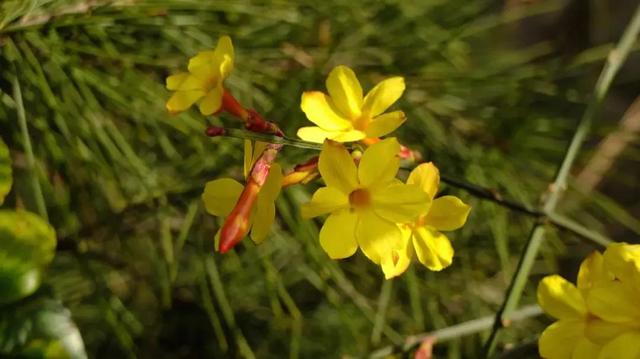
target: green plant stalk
227 312
31 162
564 222
383 303
614 62
207 303
456 331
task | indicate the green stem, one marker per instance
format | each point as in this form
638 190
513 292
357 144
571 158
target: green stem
264 137
227 312
456 331
566 223
26 139
615 60
383 304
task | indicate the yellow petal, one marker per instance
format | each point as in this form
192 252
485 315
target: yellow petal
212 101
248 154
379 163
324 200
427 177
394 264
345 91
348 136
399 202
560 298
192 82
265 208
337 236
317 106
382 96
315 134
399 261
263 218
623 260
614 302
182 100
626 346
174 81
601 332
560 339
385 124
592 272
585 349
433 248
224 55
447 213
337 168
204 65
377 237
318 135
252 152
221 195
271 188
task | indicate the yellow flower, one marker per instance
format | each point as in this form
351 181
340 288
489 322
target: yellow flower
567 338
203 82
365 202
345 115
446 213
221 195
600 318
617 302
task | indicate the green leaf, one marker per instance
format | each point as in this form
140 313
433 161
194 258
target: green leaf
27 245
39 327
5 171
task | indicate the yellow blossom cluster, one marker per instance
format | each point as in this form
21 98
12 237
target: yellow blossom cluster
367 206
600 317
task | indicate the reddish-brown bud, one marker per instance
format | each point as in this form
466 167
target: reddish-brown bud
236 225
257 123
231 105
213 131
302 173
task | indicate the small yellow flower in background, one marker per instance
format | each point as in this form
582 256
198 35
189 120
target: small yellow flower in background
221 195
446 213
346 115
600 318
203 82
365 203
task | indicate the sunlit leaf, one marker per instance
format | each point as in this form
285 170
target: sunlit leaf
27 245
39 327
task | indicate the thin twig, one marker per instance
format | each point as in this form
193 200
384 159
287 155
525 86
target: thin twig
614 62
456 331
491 195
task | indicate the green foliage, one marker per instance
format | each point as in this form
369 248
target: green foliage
5 171
27 246
39 328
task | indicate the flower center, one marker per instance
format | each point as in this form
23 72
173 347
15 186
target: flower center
359 198
361 123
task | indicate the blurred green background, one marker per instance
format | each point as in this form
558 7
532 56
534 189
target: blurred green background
494 92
